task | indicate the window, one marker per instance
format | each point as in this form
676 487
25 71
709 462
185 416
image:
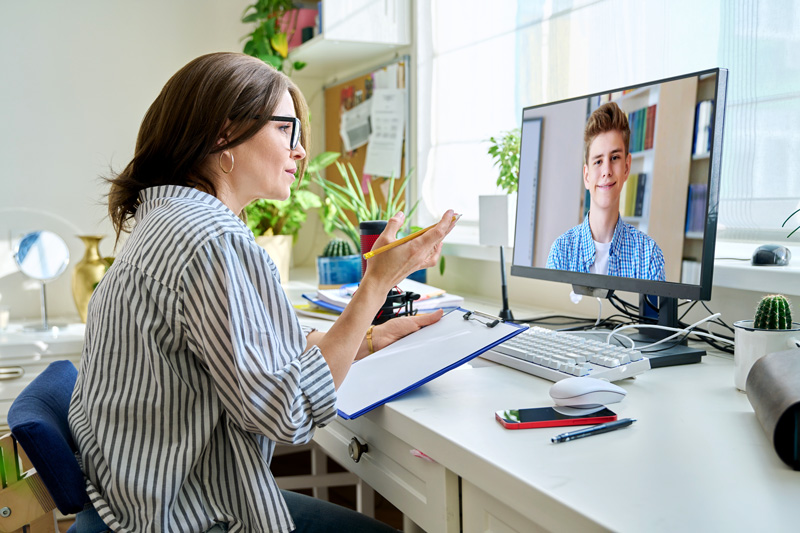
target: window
480 63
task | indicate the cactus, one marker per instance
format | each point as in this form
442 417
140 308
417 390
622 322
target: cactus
773 312
337 248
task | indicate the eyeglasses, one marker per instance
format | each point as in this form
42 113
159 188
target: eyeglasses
295 136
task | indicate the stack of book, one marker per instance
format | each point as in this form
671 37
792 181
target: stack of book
329 303
631 200
642 123
696 208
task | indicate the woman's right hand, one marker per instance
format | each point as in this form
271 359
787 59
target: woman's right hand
390 267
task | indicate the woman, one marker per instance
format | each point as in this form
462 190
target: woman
195 364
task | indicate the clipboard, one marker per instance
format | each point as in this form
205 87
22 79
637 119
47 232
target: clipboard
416 359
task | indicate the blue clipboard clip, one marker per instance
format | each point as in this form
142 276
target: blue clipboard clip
490 320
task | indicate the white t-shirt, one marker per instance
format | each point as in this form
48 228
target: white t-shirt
600 265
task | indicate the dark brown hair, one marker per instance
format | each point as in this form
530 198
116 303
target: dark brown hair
607 117
222 95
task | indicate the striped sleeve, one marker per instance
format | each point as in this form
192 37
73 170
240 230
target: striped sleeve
240 323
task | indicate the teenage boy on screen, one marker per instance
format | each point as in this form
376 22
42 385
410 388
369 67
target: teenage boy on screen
603 243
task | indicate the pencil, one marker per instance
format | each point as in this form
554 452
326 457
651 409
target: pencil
398 242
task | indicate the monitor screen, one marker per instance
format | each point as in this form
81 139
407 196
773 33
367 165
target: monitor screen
619 190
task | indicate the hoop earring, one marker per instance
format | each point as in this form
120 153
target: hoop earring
220 162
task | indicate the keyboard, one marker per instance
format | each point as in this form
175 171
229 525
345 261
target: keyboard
555 355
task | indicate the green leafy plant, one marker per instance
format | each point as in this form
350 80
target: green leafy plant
343 201
787 220
285 217
505 153
338 248
267 41
773 312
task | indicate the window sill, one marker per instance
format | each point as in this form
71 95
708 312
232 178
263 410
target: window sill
728 272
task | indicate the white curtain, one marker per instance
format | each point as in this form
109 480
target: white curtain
479 63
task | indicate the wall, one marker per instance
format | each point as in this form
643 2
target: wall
77 79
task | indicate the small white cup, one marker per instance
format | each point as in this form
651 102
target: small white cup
751 344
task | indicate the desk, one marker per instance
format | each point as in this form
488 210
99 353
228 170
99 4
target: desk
25 354
696 459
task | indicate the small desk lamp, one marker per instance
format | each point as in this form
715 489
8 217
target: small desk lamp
497 214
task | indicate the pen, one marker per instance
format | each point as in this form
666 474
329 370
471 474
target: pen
398 242
595 430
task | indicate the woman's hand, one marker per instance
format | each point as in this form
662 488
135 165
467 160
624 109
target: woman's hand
389 267
395 329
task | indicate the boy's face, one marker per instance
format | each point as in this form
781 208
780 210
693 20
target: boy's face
607 170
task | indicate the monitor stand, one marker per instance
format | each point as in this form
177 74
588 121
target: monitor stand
672 354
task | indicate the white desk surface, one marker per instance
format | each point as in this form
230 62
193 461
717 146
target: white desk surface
695 460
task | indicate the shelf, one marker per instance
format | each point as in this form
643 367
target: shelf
694 235
327 58
642 153
701 157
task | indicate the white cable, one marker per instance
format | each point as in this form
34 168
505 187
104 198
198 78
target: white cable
591 332
652 326
599 311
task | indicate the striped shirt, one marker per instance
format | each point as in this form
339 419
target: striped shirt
194 366
632 254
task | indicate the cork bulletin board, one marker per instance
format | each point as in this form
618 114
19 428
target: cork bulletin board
346 95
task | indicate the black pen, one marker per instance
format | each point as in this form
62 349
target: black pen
594 430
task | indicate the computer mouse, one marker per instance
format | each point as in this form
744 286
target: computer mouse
771 255
585 392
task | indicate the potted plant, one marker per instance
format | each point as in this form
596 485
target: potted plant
347 205
268 41
275 223
497 211
772 330
338 265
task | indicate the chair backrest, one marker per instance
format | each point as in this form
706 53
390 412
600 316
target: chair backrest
38 421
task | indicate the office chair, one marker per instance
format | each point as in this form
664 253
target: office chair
39 469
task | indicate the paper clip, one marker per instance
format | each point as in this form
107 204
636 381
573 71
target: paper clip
483 318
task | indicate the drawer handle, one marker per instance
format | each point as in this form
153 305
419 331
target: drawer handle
11 372
357 449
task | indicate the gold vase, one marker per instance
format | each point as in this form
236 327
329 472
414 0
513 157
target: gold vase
88 272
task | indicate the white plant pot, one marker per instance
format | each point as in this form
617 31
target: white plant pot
279 248
752 344
497 213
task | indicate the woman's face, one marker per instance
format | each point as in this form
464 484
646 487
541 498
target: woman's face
265 165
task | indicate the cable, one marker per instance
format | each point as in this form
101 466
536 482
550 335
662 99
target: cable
653 326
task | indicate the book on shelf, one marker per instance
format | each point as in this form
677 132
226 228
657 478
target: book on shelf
630 195
641 184
641 123
650 128
696 208
701 144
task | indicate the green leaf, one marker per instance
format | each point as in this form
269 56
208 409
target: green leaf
299 65
273 60
441 265
323 160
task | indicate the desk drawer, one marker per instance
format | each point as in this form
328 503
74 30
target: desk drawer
424 491
17 373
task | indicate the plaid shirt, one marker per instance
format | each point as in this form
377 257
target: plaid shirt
632 255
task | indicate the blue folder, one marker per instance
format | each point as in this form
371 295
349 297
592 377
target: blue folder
419 358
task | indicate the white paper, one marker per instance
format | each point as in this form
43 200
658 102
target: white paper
414 360
385 149
386 78
355 127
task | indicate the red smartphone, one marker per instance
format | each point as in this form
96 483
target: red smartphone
547 417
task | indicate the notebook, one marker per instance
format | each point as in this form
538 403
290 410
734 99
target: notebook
419 358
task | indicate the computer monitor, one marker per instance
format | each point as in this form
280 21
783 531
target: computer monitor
605 211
